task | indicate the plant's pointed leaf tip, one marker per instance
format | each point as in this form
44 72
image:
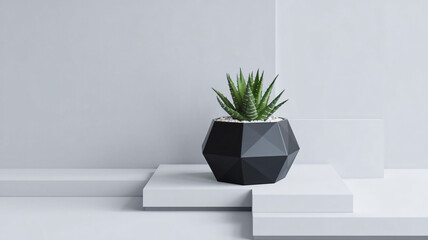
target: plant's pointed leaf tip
276 77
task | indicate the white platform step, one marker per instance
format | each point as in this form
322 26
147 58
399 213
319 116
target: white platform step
274 225
393 206
359 156
113 218
308 187
73 182
192 185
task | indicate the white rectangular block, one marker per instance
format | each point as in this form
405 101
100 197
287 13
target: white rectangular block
73 182
393 206
192 185
354 147
307 187
271 225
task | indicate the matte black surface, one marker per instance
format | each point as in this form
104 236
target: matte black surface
250 153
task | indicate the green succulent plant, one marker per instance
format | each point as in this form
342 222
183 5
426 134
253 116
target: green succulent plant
248 101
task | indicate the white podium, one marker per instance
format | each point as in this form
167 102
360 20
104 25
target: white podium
307 188
312 202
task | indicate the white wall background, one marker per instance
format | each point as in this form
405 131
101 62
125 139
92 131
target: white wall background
329 54
106 84
344 60
330 57
406 111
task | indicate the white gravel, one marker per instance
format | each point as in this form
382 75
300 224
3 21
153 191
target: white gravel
230 119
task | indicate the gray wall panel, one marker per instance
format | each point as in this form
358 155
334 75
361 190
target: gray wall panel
106 84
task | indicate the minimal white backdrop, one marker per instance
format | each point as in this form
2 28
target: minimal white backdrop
105 84
121 84
345 59
405 55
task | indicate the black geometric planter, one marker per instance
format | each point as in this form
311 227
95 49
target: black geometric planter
251 152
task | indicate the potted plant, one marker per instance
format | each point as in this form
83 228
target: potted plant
250 146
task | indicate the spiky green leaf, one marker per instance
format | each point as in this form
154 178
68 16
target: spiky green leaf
224 99
240 81
258 87
249 105
251 81
236 98
277 106
249 102
234 114
268 110
256 81
265 98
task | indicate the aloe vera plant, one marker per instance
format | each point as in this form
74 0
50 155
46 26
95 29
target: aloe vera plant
249 101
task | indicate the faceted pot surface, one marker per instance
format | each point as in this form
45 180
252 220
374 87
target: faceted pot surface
251 152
